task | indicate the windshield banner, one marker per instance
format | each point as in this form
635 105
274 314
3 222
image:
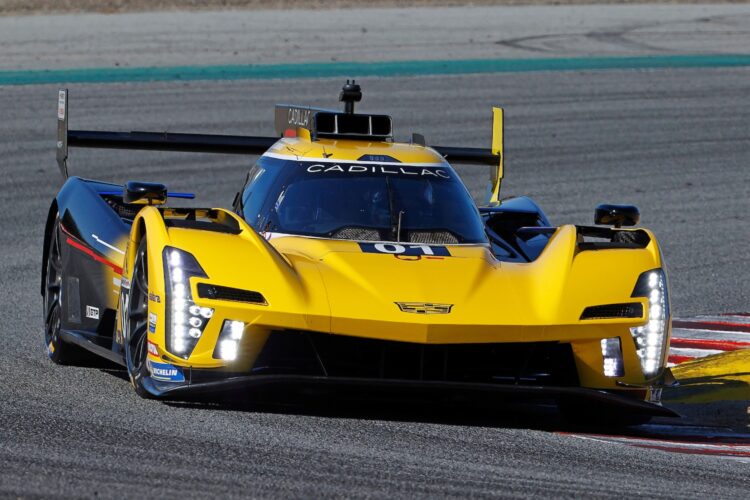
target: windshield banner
398 170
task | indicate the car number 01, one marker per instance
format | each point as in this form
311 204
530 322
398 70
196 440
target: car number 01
398 249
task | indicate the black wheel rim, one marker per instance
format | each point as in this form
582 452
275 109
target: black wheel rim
53 290
138 313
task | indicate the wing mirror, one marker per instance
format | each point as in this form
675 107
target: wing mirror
144 193
617 215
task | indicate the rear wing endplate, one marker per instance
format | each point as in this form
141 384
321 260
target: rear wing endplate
480 156
62 132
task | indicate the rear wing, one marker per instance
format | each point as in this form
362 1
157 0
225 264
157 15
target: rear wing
318 123
153 141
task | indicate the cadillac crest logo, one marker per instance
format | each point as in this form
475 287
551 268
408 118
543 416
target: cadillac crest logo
424 307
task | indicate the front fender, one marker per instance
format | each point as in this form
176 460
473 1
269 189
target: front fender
241 259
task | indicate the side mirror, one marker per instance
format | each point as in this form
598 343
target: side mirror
144 193
617 215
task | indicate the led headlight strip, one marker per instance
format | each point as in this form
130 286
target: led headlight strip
185 319
651 338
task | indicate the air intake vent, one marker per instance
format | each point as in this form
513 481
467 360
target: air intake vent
216 292
333 124
357 234
341 124
432 237
630 310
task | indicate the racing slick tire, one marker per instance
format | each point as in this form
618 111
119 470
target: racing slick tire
58 350
136 323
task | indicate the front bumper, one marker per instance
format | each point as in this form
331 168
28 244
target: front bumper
444 392
290 361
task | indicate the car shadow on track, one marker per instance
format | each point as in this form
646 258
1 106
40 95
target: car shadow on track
508 414
503 413
512 414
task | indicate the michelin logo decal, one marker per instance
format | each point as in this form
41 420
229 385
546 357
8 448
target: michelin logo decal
165 372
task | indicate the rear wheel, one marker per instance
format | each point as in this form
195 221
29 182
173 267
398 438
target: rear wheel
58 350
136 338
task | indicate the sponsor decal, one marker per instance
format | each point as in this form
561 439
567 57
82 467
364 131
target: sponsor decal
655 396
399 249
154 298
152 319
299 117
152 349
165 372
92 312
424 307
61 107
404 171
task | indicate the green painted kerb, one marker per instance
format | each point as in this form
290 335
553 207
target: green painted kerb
362 69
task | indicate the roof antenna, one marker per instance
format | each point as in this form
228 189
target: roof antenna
350 93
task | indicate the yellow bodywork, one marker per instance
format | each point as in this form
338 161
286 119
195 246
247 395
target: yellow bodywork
331 286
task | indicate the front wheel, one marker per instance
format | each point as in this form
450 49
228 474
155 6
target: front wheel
136 323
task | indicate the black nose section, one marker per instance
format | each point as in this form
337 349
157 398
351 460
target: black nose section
145 193
617 215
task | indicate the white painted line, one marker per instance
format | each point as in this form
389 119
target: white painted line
698 333
111 247
729 318
693 353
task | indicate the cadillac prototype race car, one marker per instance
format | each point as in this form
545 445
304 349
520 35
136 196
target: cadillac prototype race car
350 261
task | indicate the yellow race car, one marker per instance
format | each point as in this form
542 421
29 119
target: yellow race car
351 261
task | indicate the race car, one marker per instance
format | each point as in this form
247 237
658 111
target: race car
351 261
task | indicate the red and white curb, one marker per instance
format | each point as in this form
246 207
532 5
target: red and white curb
703 336
675 439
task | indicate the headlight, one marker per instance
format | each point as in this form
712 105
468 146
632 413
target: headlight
651 338
612 357
228 345
186 320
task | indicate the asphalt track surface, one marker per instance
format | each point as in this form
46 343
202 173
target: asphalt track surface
674 142
260 37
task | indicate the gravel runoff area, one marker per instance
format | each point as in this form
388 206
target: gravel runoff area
112 6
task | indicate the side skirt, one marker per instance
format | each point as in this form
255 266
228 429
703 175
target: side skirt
88 342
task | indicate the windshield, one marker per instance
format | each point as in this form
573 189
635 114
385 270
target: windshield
372 202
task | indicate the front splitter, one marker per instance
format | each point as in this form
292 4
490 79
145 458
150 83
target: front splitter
379 388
